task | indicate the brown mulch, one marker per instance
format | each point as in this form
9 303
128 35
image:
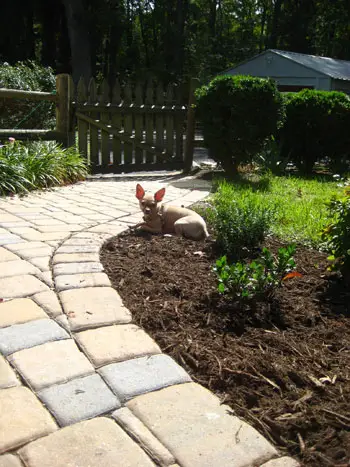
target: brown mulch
282 365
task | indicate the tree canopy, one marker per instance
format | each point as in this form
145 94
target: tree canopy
168 39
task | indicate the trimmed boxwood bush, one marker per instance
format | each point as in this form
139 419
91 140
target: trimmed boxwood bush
316 127
238 114
22 113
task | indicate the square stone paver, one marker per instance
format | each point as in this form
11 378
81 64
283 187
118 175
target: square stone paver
18 268
75 257
6 255
94 443
21 286
140 375
77 281
8 460
49 302
200 432
79 399
93 306
63 361
22 418
8 379
26 335
82 248
116 343
76 268
19 310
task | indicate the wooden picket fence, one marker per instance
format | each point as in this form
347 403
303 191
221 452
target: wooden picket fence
138 127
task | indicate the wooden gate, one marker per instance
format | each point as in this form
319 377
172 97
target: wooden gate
134 128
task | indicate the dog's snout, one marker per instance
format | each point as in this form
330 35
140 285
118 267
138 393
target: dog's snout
147 210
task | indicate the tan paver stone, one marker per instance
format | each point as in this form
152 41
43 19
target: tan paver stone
49 302
93 306
60 228
17 268
27 246
116 343
46 277
108 228
43 263
47 221
138 431
78 281
191 423
8 218
282 462
21 286
8 460
52 236
35 252
76 268
63 361
8 379
19 310
75 257
6 256
22 418
94 443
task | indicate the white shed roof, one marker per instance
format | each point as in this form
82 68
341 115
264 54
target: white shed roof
337 69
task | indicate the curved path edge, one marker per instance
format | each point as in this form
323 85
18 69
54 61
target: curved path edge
80 384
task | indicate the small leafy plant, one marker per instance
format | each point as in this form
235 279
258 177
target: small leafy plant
337 233
258 278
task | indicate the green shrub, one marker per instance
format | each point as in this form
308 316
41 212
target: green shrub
25 167
337 233
241 220
258 278
22 113
316 127
238 114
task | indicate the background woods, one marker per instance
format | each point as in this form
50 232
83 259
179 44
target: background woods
168 39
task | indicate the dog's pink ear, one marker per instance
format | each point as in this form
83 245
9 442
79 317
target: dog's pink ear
159 195
140 192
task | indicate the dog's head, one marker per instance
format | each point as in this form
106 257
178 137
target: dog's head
149 202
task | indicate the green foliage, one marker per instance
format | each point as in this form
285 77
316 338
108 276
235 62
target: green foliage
22 113
337 233
316 127
258 278
270 158
25 167
238 114
240 219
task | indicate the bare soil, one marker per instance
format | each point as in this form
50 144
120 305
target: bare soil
283 364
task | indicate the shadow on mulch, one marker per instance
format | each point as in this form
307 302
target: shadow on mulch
282 365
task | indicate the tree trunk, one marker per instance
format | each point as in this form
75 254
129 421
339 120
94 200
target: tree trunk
79 39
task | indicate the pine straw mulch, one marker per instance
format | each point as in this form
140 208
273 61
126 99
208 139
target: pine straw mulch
283 366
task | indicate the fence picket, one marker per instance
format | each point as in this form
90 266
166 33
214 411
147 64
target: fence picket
179 124
138 123
94 131
159 118
149 126
116 123
128 127
169 130
83 127
105 118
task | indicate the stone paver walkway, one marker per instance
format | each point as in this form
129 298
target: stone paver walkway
80 384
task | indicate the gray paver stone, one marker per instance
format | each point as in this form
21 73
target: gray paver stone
76 268
63 361
282 462
8 379
19 310
49 302
22 418
76 281
116 343
21 286
75 258
79 399
94 443
189 420
93 306
26 335
69 249
140 375
138 431
8 460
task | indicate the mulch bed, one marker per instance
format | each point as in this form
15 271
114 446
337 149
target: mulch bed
282 365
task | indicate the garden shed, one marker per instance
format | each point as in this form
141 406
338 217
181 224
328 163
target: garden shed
294 71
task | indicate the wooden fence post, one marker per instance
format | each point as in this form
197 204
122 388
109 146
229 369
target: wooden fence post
191 123
64 124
